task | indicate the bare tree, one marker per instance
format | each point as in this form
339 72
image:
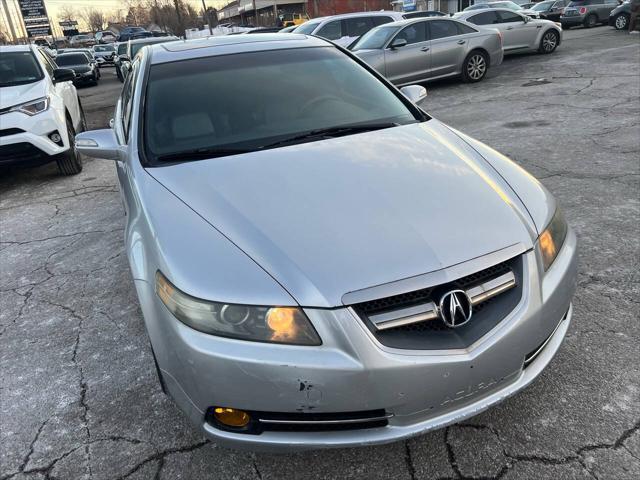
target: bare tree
67 13
95 19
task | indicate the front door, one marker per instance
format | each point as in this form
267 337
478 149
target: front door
409 63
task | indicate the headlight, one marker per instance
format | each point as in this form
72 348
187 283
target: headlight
551 240
262 324
33 107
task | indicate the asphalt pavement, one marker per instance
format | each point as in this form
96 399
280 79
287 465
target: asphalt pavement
79 396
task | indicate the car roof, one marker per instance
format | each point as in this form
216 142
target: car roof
153 40
15 48
484 10
377 13
409 21
225 45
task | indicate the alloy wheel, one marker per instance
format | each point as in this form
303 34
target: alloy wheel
476 67
549 42
621 22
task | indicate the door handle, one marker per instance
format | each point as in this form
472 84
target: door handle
461 42
424 49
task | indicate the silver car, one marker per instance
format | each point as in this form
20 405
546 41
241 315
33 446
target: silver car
319 262
520 32
423 49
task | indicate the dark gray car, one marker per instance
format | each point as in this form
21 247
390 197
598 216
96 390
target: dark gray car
423 49
620 16
587 13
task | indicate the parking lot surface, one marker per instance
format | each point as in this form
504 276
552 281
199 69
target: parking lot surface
79 394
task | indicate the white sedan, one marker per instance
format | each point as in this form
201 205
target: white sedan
519 32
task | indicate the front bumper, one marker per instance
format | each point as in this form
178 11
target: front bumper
31 144
350 372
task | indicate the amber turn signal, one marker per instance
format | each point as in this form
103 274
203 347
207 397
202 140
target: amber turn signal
231 417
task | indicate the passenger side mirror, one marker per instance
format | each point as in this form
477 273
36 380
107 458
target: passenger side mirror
415 93
398 43
100 144
63 75
526 19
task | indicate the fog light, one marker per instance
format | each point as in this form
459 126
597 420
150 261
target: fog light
56 138
231 417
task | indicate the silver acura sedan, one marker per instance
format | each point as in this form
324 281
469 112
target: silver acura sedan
520 32
423 49
319 262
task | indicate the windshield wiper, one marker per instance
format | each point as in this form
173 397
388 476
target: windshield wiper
201 154
330 132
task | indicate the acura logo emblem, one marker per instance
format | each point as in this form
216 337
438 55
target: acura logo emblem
455 308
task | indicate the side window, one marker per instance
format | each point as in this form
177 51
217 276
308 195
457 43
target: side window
357 27
462 28
127 98
381 20
414 33
48 66
442 29
485 18
331 31
510 17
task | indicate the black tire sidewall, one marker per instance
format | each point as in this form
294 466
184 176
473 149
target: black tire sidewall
587 22
70 162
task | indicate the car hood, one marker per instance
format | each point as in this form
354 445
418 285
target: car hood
22 93
335 216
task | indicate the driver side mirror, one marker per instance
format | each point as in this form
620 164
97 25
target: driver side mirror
63 75
526 19
415 93
100 144
398 43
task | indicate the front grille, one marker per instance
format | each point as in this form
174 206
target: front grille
434 334
5 132
21 152
305 422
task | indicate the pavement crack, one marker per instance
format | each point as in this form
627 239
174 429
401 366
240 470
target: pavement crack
256 469
160 456
408 458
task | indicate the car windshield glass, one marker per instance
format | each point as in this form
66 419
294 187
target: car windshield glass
216 106
122 49
510 5
542 6
374 39
307 28
71 59
18 68
104 48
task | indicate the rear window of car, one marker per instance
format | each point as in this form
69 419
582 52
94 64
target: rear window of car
374 39
307 28
331 31
442 29
71 59
358 26
484 18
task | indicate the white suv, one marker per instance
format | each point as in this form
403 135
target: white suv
344 29
40 112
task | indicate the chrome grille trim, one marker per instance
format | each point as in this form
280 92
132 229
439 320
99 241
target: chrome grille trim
430 311
326 422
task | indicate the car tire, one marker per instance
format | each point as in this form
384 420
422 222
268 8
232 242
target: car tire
590 21
69 162
549 41
621 22
83 118
474 67
119 75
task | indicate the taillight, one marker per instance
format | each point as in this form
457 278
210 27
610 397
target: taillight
582 10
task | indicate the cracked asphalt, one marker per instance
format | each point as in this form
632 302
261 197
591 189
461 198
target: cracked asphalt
79 396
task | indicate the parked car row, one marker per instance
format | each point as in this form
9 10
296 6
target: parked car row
429 47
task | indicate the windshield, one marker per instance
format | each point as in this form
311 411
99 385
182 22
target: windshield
542 6
375 38
71 59
18 68
104 48
253 101
307 28
509 5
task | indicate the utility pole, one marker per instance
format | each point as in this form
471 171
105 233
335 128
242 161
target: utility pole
7 14
206 12
255 13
